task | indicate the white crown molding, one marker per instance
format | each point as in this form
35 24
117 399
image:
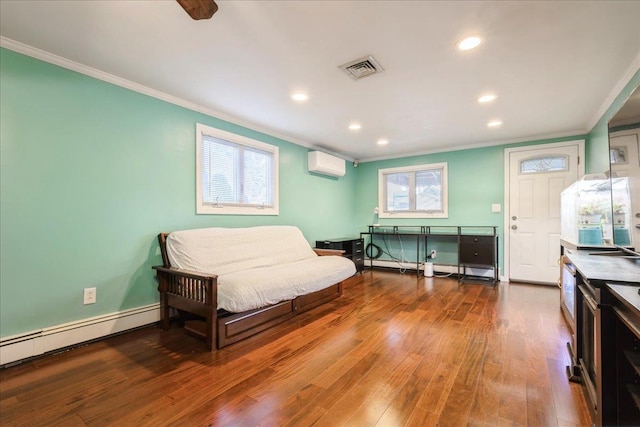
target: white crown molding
624 80
575 133
145 90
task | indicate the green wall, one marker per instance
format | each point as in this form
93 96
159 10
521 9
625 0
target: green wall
475 179
598 139
92 172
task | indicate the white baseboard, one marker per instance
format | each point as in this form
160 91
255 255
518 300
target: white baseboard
438 268
35 343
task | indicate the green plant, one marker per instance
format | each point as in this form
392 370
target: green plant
619 208
591 209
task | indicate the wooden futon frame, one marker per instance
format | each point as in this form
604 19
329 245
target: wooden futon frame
196 294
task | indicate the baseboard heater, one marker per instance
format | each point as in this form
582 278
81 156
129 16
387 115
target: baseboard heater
16 348
438 268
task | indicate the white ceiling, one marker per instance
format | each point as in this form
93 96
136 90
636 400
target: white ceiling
553 65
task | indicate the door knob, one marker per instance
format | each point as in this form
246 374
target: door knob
514 217
514 227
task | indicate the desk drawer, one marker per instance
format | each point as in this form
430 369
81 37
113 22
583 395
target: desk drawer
477 250
357 248
322 244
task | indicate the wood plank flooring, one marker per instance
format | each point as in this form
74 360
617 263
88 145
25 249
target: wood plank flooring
394 350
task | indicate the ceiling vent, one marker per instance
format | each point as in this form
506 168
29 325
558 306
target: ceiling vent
362 67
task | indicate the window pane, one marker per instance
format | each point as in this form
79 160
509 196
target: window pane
544 164
219 169
417 191
397 192
236 175
257 177
429 190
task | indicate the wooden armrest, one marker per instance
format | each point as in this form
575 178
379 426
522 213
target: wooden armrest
189 285
185 273
323 252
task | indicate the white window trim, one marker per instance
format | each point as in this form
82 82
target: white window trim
405 214
207 209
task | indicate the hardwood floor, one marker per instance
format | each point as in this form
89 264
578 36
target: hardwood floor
394 350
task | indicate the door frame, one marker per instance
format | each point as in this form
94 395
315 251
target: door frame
507 214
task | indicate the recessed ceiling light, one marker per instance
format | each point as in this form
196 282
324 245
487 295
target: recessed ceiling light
494 123
383 141
487 98
469 43
299 96
355 126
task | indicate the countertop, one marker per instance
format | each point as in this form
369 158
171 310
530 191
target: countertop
627 294
599 269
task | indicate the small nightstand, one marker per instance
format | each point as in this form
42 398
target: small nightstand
353 248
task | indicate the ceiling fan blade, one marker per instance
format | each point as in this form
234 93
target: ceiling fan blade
199 9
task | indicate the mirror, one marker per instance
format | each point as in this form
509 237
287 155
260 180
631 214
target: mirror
624 148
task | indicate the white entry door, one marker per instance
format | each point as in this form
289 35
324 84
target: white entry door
537 176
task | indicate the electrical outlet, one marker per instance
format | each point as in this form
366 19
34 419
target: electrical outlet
433 254
89 296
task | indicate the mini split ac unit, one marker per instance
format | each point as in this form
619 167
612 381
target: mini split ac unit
326 164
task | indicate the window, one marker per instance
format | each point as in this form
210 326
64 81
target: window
545 164
413 192
236 175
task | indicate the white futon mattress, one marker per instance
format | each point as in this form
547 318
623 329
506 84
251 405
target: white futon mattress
256 266
258 287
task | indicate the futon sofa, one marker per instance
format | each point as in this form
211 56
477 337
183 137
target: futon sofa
230 283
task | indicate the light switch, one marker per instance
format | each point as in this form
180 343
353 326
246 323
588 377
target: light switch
496 207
